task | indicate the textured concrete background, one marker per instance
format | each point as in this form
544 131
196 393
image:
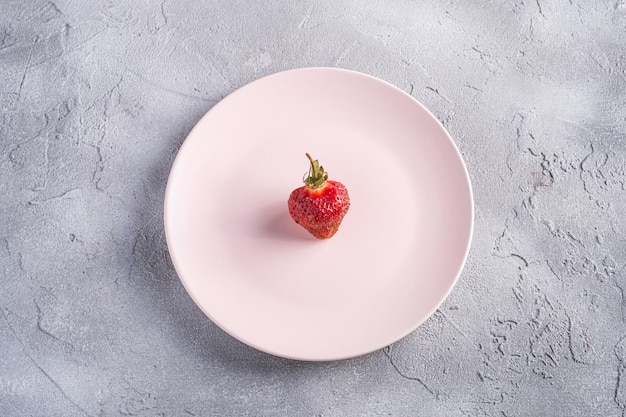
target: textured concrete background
97 97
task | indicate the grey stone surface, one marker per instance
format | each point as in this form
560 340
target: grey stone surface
96 98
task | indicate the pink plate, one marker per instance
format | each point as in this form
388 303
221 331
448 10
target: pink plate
264 279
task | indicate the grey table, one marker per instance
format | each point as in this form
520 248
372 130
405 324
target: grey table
96 98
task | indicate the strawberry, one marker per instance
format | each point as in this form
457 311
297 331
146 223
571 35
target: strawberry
320 205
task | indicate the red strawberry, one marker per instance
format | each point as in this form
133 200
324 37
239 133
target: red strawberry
320 205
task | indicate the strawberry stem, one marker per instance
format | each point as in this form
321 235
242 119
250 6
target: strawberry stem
317 176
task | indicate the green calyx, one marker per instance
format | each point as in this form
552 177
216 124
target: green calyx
317 176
